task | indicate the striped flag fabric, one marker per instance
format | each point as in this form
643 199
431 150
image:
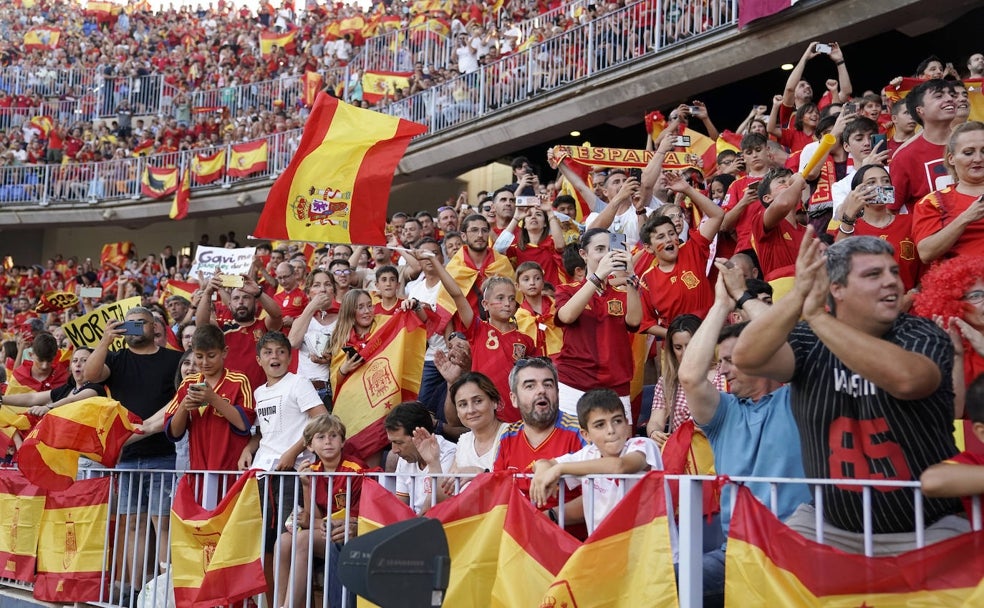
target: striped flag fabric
159 182
182 196
72 543
769 564
144 148
313 81
628 560
21 508
376 84
43 125
12 422
216 554
208 168
337 185
394 358
116 254
285 40
378 507
249 158
42 38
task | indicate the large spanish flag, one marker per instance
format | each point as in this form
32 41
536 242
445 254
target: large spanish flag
159 182
376 84
182 196
41 38
21 507
215 555
207 168
394 358
95 428
627 561
285 40
768 564
336 188
72 543
249 158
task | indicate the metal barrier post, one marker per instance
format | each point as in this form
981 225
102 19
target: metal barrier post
691 565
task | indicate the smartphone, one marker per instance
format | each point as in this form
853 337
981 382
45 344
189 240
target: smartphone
527 201
822 48
232 280
199 386
884 195
693 109
681 141
616 242
635 172
350 351
133 328
850 108
878 138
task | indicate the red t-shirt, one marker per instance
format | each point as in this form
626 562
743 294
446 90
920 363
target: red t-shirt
685 289
545 254
743 227
517 455
241 341
292 302
968 458
213 443
917 170
597 346
795 139
338 485
936 210
494 353
777 248
899 235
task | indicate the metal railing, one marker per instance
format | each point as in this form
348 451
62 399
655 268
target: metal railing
618 38
121 179
125 579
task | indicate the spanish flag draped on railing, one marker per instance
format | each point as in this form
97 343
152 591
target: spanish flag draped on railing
215 555
249 158
378 507
337 186
769 564
21 507
394 362
159 182
208 168
95 428
72 543
628 560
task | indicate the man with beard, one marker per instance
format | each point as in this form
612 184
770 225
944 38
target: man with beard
245 331
141 377
543 432
476 261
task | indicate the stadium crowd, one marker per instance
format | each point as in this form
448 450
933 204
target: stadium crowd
771 294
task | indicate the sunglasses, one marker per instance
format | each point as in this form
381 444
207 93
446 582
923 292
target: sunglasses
341 273
486 208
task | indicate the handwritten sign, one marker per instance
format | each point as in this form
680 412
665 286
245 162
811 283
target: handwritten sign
87 330
209 260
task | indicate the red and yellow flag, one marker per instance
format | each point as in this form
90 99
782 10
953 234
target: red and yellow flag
159 182
376 84
378 507
104 12
95 428
769 564
394 357
215 555
313 81
549 338
21 507
728 140
41 38
249 158
627 561
208 168
72 543
464 273
144 148
43 125
336 188
285 40
173 287
13 421
53 301
182 196
116 254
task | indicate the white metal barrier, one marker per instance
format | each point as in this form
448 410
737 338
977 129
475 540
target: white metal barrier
278 491
122 178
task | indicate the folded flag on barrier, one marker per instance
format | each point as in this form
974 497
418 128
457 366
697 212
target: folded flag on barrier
628 560
182 196
769 564
215 554
72 543
159 182
95 428
336 187
21 507
379 507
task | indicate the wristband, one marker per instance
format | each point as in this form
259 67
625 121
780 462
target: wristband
841 62
744 298
594 279
842 231
846 219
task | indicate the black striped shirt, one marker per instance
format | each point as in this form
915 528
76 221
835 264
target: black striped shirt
852 429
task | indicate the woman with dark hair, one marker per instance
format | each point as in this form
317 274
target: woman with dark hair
718 187
540 239
805 126
865 212
311 332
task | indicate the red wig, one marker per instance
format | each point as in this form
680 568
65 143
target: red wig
944 286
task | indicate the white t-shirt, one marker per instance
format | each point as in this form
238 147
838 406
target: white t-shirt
468 457
316 340
281 416
428 295
626 223
467 60
607 491
416 483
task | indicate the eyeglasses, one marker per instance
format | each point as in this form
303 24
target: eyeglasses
486 208
341 273
974 297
